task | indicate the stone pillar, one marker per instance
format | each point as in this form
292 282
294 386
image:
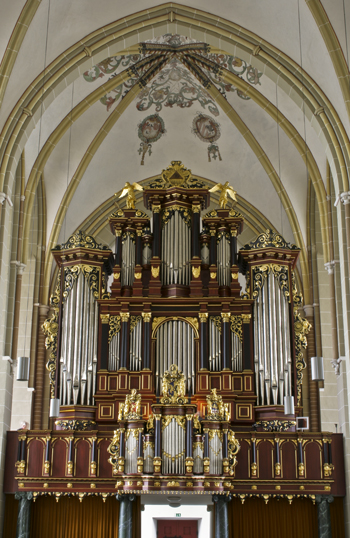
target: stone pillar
40 369
345 198
23 518
314 395
324 516
125 515
221 516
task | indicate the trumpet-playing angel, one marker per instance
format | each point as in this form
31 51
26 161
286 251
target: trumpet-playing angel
130 191
225 190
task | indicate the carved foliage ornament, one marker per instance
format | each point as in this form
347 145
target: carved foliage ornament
301 329
158 321
260 273
113 450
91 274
114 326
269 239
80 239
183 212
236 326
233 449
50 330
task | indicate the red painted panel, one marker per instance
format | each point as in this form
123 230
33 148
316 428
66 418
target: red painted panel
242 468
82 459
59 458
313 461
264 456
237 384
134 383
104 468
177 528
35 455
288 460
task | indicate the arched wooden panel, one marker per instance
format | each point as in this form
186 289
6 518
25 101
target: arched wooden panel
313 461
288 461
35 457
265 460
242 467
82 458
104 468
59 458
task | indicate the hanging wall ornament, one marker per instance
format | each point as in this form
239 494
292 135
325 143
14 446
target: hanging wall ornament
149 131
208 130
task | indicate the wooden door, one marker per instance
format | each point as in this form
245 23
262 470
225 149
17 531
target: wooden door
177 528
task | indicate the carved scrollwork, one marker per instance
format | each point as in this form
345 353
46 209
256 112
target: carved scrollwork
75 425
260 273
133 322
183 212
274 425
131 409
181 421
269 239
233 448
236 326
301 329
114 450
114 326
80 239
50 330
217 321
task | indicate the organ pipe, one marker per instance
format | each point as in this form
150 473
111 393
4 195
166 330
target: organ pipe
176 250
79 343
175 345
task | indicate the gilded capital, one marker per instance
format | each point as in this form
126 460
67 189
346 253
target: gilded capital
203 316
225 317
124 316
246 318
104 319
147 316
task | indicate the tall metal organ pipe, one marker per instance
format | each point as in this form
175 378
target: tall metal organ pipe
79 344
272 346
175 345
176 251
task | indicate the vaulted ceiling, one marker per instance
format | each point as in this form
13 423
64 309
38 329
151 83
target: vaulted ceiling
94 94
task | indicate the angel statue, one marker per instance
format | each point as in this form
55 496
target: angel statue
225 191
129 190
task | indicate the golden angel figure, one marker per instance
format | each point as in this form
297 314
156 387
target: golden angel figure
225 191
130 191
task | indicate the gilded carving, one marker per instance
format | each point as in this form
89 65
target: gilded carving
132 407
80 239
215 406
146 316
50 330
114 326
133 322
217 321
173 386
129 190
75 425
181 421
113 450
260 272
301 329
155 271
236 326
269 239
183 212
225 191
196 271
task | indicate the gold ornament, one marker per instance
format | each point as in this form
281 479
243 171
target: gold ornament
130 191
225 190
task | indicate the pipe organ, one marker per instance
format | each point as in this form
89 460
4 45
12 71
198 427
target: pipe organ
177 374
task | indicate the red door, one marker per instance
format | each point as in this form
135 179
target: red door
177 528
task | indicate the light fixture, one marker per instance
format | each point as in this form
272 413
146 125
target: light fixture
23 364
174 501
54 407
317 370
289 405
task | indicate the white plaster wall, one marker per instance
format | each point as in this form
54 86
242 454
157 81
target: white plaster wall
153 512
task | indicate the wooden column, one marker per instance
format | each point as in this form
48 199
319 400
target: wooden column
40 369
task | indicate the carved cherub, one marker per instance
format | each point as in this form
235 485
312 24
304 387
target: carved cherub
132 406
130 191
225 190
